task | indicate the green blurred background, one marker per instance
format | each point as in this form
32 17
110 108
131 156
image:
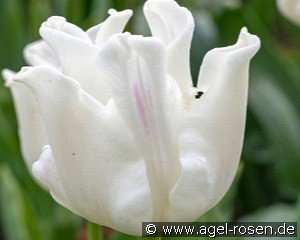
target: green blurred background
267 185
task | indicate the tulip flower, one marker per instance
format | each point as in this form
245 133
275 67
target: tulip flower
290 9
112 126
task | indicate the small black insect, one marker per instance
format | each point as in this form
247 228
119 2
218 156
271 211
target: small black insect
198 95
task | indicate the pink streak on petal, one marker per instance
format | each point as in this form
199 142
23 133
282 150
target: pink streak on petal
140 107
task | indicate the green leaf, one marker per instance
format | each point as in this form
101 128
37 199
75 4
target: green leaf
274 213
281 125
19 220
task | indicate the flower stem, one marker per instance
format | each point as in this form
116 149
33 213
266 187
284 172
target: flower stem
94 231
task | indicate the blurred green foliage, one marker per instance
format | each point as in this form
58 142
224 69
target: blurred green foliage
267 185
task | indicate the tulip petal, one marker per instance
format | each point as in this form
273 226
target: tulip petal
31 127
114 24
174 25
213 129
290 9
89 140
137 77
45 171
61 24
76 54
40 53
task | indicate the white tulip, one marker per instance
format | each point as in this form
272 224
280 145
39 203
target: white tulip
70 50
290 9
125 140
